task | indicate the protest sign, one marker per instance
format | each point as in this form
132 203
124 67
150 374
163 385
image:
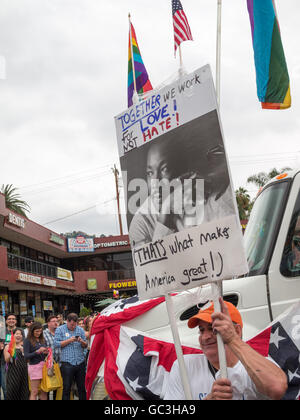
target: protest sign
181 211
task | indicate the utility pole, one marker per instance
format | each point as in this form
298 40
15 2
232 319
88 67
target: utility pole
116 174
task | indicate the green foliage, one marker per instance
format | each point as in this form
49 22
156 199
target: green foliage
262 178
76 233
244 203
85 312
40 320
13 200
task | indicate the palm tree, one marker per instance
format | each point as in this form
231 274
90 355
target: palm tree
244 203
262 178
13 200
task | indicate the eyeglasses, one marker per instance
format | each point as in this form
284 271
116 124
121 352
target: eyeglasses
11 319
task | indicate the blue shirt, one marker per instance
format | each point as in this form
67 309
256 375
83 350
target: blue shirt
72 353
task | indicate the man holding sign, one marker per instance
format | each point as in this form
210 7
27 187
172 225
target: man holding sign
250 375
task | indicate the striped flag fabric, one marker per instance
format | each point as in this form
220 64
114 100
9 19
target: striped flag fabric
281 342
137 367
136 68
182 31
107 327
272 78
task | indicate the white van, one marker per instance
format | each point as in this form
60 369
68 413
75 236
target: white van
272 242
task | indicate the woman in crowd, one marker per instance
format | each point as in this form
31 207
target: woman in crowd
17 377
35 352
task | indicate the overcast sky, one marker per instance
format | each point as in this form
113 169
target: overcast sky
63 78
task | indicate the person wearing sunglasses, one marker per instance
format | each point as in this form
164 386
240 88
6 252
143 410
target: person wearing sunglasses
28 321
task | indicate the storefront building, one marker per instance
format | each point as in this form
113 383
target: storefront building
42 272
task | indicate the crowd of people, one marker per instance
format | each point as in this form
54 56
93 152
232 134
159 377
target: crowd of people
68 341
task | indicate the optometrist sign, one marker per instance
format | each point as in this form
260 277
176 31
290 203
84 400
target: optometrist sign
182 215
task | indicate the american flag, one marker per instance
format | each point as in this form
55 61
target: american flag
182 31
137 366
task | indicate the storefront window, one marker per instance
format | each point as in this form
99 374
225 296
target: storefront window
23 303
15 250
41 256
108 262
122 261
3 301
5 243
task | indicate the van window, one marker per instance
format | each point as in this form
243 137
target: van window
290 262
262 229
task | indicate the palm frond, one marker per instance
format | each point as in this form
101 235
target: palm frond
13 200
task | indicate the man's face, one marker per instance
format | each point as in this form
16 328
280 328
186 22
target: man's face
158 169
11 322
71 325
27 324
208 340
53 324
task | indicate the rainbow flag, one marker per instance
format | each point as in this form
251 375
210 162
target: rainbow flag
272 78
12 347
141 76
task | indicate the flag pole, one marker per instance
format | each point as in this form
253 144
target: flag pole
217 287
180 61
178 348
217 292
135 94
218 55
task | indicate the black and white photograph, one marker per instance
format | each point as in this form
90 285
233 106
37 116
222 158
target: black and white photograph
177 181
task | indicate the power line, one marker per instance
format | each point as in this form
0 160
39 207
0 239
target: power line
77 212
262 161
67 183
269 154
64 177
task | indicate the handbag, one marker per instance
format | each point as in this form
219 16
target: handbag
52 378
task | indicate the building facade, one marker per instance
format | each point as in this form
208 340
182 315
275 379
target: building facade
42 272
